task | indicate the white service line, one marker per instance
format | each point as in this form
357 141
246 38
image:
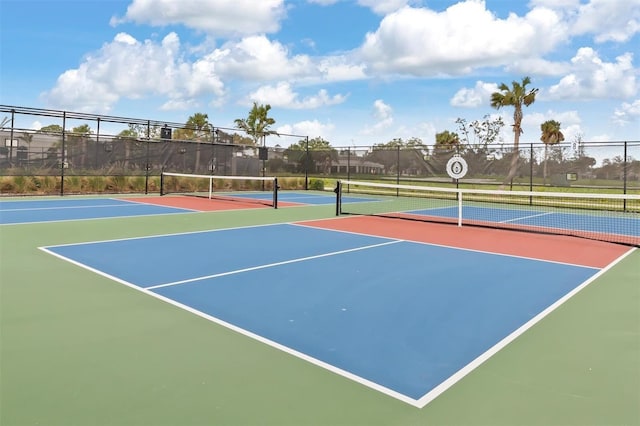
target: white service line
271 265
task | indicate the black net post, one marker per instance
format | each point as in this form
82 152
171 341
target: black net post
162 183
275 193
338 191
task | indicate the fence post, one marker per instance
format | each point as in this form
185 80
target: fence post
398 170
624 177
306 165
147 163
64 125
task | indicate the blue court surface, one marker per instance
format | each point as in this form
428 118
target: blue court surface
53 210
610 224
407 319
32 211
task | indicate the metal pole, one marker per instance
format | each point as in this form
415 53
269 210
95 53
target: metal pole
147 163
97 143
531 174
64 157
306 166
624 172
398 171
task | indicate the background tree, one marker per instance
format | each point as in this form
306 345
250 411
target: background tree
257 123
516 97
201 130
321 155
28 139
78 142
551 135
399 156
51 129
476 141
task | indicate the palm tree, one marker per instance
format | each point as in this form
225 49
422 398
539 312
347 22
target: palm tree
515 97
257 123
551 135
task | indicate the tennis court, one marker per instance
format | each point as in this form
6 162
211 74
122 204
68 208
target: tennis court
174 315
52 210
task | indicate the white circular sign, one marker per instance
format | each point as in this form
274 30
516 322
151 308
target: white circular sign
457 167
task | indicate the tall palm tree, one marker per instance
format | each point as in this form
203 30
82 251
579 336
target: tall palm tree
257 123
516 97
551 135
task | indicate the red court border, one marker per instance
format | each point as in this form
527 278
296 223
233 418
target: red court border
556 248
201 204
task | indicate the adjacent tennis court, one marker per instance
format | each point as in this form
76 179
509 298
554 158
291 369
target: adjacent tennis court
250 315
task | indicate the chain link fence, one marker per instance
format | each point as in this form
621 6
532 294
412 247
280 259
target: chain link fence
112 154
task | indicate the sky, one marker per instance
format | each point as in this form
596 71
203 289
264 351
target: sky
353 72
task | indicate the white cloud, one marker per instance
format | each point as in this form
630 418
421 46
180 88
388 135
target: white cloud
538 67
606 20
627 113
424 42
569 120
338 68
282 95
609 20
382 7
128 68
592 78
257 58
312 128
383 116
220 17
475 97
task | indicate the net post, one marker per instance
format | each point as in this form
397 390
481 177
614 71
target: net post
338 191
459 208
275 192
161 184
211 187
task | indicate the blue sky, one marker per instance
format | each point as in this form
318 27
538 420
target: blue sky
354 72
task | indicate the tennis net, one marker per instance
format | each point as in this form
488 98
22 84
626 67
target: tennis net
246 189
606 217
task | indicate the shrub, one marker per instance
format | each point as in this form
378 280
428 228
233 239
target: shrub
316 184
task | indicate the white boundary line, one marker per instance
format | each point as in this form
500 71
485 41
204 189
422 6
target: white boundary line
96 218
247 333
419 403
167 235
447 246
435 392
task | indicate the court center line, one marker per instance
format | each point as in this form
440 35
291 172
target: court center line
270 265
527 217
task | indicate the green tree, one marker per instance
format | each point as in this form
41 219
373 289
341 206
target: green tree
78 141
407 157
51 128
257 123
321 155
447 139
551 135
201 130
516 97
